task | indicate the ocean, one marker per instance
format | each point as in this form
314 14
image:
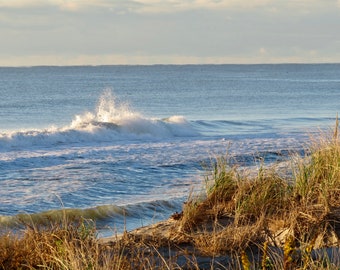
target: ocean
126 145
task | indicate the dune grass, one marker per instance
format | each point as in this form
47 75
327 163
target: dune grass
298 211
268 220
74 245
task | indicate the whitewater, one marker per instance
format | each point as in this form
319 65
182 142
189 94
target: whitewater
126 145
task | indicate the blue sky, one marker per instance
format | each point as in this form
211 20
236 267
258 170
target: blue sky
96 32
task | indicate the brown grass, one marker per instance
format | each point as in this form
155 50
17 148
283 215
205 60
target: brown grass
262 221
73 245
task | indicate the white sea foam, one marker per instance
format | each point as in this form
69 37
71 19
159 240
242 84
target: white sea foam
114 156
110 122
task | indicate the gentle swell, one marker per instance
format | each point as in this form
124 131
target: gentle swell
98 214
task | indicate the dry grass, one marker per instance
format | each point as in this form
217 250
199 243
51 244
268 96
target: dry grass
261 221
267 207
58 246
73 245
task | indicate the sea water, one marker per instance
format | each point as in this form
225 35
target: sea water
124 145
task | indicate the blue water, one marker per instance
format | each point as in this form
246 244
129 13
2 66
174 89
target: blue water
126 143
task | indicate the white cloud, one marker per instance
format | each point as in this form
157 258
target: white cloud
20 3
43 32
262 51
63 4
155 6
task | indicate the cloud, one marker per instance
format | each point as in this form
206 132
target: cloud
155 6
62 4
90 6
20 3
64 32
166 6
262 51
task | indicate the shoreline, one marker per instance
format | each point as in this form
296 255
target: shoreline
268 220
289 218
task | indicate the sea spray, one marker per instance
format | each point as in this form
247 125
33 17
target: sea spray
111 121
108 111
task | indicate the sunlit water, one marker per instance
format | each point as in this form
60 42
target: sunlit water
126 144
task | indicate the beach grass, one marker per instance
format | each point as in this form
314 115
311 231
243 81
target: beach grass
269 219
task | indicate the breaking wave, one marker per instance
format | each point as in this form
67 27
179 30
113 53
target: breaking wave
110 122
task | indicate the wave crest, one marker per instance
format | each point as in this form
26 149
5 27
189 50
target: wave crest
108 112
103 214
111 121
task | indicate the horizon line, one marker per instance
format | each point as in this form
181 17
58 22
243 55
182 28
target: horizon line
172 64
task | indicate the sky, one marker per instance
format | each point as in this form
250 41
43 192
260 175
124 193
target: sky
110 32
